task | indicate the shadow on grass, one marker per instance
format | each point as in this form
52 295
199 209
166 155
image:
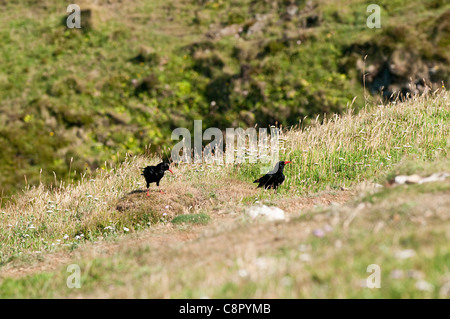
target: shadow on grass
137 191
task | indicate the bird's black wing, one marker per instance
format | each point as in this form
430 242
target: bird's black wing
149 173
278 181
265 181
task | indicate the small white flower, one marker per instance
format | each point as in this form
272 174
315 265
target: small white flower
423 285
242 273
126 229
66 237
31 226
405 254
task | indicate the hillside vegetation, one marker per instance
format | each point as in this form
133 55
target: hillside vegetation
71 100
343 214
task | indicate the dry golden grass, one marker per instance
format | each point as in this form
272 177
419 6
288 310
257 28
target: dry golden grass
343 150
233 256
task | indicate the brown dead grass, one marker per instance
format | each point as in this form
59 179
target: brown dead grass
225 209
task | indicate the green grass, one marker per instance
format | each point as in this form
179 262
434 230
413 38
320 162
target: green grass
374 145
302 266
351 148
69 104
191 219
69 126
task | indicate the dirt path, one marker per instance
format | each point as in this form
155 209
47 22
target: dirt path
163 238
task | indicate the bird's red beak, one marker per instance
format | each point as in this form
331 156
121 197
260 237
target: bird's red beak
287 162
170 171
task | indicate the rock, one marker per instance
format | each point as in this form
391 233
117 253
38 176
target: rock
269 213
416 179
405 179
437 177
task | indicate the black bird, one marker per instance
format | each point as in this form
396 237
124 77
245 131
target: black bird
274 178
153 174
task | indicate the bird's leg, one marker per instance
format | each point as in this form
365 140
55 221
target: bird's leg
148 189
157 184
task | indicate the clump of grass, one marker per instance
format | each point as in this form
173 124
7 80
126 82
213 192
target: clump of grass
43 218
345 149
201 218
108 204
405 235
331 262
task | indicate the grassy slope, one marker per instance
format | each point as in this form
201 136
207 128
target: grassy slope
232 256
68 102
